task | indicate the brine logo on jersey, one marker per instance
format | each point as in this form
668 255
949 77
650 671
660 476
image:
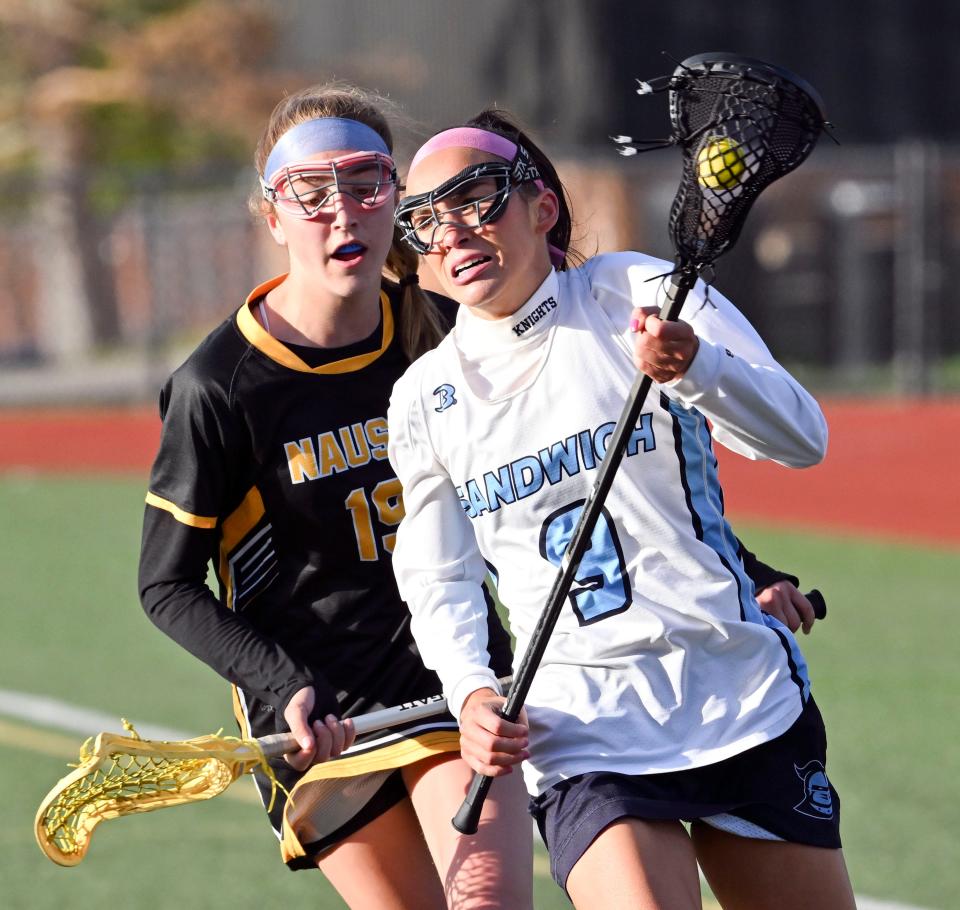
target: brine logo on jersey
336 451
445 394
817 799
534 316
524 476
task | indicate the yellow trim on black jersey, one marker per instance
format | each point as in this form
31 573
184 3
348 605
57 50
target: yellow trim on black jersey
240 712
241 520
184 517
278 351
391 755
321 783
236 526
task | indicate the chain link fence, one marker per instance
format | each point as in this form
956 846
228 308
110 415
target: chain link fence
848 268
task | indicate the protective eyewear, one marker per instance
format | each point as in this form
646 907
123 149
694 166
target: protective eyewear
304 190
476 196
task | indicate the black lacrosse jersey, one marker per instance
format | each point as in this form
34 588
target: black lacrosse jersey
277 472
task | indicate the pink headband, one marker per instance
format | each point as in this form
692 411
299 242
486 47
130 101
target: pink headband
472 137
468 137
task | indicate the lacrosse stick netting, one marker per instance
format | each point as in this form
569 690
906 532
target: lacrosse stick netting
741 124
122 775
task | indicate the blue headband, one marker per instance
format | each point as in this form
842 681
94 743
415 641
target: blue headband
325 134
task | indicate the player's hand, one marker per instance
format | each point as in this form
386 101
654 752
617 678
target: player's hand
320 740
662 349
784 601
488 743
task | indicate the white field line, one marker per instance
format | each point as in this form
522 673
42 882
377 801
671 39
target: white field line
871 903
40 710
44 711
51 712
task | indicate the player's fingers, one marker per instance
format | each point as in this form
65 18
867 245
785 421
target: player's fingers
299 761
513 746
338 735
485 768
487 740
638 317
296 715
774 600
308 746
350 733
668 330
496 749
653 350
299 727
791 619
324 737
492 764
485 714
500 727
804 610
483 741
664 359
661 372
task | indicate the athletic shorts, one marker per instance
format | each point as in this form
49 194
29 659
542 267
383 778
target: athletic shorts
388 794
776 791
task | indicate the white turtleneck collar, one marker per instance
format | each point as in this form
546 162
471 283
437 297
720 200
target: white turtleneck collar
474 333
501 357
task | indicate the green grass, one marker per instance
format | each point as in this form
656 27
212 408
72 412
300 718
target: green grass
884 671
73 629
886 677
878 380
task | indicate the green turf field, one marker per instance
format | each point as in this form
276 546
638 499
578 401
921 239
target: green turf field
883 665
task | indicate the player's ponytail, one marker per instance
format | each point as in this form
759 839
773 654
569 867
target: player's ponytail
421 325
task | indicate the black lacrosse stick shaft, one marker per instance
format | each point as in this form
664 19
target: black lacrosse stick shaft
818 603
467 818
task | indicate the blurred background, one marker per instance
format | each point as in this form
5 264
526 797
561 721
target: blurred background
129 127
125 167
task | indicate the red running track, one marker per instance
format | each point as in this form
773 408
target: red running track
892 469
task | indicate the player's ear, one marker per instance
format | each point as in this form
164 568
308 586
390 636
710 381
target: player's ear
276 229
545 211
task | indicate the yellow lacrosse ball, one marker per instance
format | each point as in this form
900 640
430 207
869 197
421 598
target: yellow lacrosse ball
720 164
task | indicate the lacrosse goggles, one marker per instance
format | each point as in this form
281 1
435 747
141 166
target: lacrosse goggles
476 196
307 188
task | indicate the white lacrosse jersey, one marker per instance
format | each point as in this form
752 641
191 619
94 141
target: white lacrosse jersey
661 659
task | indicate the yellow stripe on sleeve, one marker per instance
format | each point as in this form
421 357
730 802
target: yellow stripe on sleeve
184 517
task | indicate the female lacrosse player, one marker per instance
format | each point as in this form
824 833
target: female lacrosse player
664 694
273 464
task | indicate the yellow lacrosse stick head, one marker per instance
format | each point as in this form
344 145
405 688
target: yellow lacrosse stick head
123 775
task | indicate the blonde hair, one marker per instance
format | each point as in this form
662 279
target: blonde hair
421 324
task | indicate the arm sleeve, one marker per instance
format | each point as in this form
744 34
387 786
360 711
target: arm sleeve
188 490
762 575
440 571
755 406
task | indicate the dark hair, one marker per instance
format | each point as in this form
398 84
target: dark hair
421 325
494 120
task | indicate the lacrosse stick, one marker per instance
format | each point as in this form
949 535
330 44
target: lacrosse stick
741 125
123 775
